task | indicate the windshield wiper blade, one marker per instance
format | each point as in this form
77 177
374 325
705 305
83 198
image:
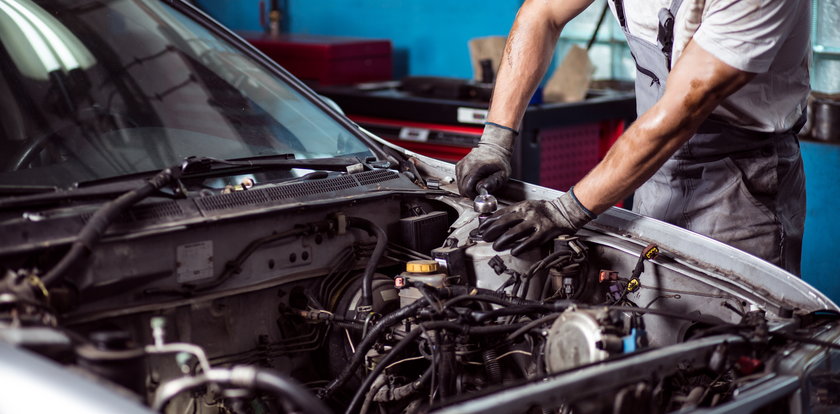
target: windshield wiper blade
104 190
206 165
192 167
22 190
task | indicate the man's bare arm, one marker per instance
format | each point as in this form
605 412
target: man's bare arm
697 84
528 51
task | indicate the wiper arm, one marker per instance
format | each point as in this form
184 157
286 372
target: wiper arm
22 190
191 167
197 166
98 224
105 190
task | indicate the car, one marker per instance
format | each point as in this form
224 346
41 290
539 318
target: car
186 227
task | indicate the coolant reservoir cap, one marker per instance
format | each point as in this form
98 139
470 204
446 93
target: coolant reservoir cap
421 266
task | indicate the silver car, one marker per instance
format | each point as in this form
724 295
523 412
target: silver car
187 228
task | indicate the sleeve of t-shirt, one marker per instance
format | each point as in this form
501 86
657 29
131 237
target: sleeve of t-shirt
746 34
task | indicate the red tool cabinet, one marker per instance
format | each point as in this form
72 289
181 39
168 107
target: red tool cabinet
558 145
327 60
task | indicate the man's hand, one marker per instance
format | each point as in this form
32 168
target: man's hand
488 164
531 223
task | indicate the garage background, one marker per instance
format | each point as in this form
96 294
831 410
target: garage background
430 37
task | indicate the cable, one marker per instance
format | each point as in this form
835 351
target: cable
492 298
388 320
669 314
484 316
235 266
530 325
509 353
373 262
95 228
408 339
367 342
810 341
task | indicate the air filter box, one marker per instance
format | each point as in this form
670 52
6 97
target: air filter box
424 232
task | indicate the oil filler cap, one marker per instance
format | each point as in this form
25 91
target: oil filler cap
421 266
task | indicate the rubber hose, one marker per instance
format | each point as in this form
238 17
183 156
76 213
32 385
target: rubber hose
409 338
390 319
375 257
491 364
367 342
492 298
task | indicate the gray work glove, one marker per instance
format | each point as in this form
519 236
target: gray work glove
530 223
488 164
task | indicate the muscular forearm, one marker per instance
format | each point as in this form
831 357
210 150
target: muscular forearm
528 52
697 85
634 158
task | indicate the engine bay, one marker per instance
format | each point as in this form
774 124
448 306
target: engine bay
383 301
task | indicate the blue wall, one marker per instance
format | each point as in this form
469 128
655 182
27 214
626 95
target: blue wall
429 36
821 247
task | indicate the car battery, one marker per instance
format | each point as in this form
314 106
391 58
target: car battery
558 143
327 60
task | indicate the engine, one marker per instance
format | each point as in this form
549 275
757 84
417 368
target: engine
388 305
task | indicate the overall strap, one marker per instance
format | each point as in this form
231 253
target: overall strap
665 34
619 13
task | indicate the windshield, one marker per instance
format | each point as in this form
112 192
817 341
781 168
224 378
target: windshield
96 89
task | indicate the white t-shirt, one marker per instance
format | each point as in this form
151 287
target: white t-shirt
767 37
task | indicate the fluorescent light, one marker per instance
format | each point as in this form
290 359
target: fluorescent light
67 59
41 49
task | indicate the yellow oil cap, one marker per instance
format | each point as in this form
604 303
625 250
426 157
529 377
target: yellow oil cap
421 266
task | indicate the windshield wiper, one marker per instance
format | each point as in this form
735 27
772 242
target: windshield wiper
98 224
192 167
200 166
21 190
54 194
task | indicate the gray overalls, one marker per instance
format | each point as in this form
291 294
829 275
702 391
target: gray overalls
742 187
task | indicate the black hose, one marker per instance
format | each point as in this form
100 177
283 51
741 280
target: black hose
387 321
368 341
492 298
95 228
531 325
376 256
407 340
492 366
484 316
411 337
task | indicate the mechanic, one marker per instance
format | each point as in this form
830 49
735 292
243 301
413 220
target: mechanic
714 149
